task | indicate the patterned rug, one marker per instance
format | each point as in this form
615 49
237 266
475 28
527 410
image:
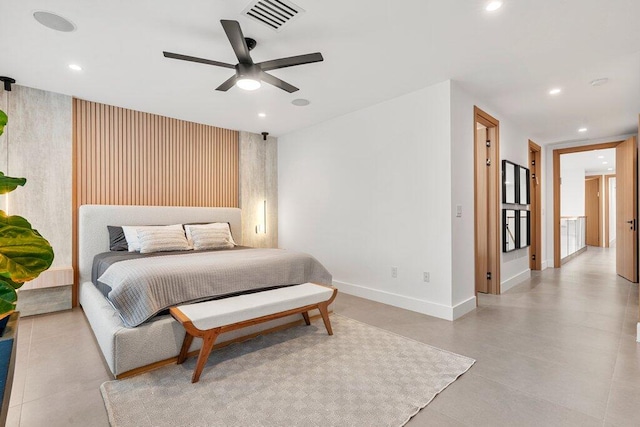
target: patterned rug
360 376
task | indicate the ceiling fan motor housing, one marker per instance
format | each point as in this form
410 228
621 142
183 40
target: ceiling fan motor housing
248 71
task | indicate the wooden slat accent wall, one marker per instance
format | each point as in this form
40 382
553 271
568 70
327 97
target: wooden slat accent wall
126 157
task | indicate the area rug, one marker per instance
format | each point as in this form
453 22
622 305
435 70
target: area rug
360 376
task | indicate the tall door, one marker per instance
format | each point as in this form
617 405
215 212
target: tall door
535 248
626 210
486 206
592 210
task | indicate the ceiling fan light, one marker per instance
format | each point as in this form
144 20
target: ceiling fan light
248 84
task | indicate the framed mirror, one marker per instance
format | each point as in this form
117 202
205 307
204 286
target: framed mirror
524 184
509 231
508 182
524 231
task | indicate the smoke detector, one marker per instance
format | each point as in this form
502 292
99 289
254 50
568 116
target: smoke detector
275 14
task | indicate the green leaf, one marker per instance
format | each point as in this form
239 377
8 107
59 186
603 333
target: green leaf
8 184
24 253
3 121
8 297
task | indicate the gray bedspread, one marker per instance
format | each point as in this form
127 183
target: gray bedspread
142 287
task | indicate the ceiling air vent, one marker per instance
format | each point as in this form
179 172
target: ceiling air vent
275 14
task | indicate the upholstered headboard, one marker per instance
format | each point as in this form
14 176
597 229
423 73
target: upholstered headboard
93 237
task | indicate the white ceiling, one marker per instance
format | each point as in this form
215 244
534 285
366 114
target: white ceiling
374 50
593 162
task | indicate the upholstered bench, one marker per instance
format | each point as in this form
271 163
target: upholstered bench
209 319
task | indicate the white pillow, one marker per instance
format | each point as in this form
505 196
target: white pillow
222 226
131 234
212 236
162 239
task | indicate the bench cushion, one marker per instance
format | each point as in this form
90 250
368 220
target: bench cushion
212 314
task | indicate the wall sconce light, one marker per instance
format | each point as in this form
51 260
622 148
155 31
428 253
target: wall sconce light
262 228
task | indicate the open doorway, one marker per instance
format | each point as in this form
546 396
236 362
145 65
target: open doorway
591 185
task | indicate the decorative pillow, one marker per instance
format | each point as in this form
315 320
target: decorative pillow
117 241
212 236
131 234
223 226
161 239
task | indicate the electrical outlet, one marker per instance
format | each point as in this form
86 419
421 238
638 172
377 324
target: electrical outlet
426 276
394 272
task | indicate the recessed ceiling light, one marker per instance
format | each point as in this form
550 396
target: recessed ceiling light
601 157
494 5
300 102
609 169
53 21
599 82
262 115
75 67
555 91
605 163
582 130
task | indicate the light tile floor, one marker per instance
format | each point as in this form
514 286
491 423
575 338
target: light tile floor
557 350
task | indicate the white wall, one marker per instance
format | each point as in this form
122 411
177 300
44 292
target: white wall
572 185
378 187
612 210
514 146
370 190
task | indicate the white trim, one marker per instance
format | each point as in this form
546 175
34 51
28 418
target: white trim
409 303
464 307
515 280
544 265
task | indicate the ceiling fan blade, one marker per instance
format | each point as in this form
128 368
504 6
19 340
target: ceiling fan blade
236 38
291 61
194 59
268 78
228 84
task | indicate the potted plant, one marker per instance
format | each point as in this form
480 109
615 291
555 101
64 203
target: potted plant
24 254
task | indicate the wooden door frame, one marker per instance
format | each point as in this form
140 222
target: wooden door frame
488 121
607 196
557 263
535 155
600 207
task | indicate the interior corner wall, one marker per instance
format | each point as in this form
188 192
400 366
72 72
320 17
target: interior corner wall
258 183
514 146
39 139
371 190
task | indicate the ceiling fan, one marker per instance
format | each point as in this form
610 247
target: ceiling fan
249 75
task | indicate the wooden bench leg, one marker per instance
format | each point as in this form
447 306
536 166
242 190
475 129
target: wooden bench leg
305 314
188 339
207 344
324 312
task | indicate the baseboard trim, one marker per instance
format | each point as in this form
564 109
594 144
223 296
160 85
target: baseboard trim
544 265
464 307
515 280
409 303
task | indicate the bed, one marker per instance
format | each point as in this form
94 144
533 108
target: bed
126 349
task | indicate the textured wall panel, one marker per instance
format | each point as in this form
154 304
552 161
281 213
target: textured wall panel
127 157
259 183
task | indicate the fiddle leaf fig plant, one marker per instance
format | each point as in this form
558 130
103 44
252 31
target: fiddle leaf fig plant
24 253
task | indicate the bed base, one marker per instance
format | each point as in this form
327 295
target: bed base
132 351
